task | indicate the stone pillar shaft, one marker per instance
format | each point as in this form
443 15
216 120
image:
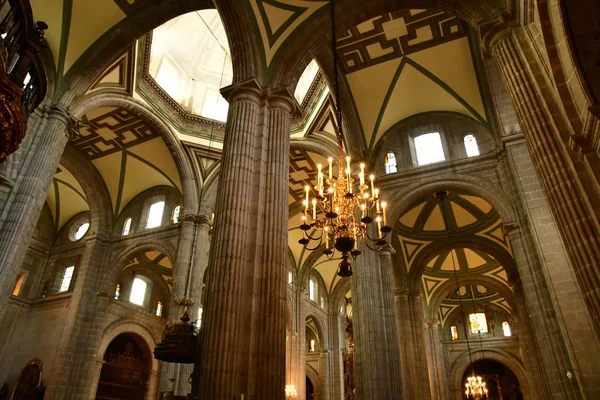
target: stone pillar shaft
48 135
242 343
575 219
375 329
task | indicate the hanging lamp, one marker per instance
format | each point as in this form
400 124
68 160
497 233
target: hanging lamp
475 388
339 211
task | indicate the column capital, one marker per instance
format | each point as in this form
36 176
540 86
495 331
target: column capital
386 250
251 90
432 322
57 113
493 33
511 229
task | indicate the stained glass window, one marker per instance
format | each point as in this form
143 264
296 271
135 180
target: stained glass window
454 332
478 323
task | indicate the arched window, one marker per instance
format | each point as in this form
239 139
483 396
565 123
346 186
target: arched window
138 291
80 230
312 289
65 282
18 284
127 226
454 332
155 214
506 329
428 148
175 214
390 163
471 145
305 81
118 292
322 302
311 347
478 323
199 320
290 277
159 309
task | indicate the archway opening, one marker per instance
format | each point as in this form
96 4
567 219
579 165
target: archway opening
310 389
125 370
501 382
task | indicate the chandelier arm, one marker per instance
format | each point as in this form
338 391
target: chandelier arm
372 248
314 248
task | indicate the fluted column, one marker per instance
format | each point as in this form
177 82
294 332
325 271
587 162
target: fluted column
438 365
548 339
375 330
46 139
562 182
242 341
336 345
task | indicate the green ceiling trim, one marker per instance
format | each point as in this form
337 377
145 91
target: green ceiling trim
448 89
362 129
410 254
121 183
153 167
388 96
64 40
478 68
73 188
273 36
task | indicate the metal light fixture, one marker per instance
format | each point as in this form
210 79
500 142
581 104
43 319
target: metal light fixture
475 388
340 211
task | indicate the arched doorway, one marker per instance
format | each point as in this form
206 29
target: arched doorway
501 382
310 389
125 369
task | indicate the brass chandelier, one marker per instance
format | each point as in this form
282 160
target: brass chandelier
475 387
338 211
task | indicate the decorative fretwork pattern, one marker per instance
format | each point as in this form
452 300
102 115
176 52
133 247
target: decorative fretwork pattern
303 171
112 132
396 34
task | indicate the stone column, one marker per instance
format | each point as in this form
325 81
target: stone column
47 136
324 374
415 372
336 340
437 366
563 183
189 275
242 341
375 329
548 339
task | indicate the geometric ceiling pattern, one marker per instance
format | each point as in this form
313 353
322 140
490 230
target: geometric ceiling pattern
118 77
127 153
65 198
156 262
406 63
468 295
278 19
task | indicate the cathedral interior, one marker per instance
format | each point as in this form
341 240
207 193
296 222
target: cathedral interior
172 225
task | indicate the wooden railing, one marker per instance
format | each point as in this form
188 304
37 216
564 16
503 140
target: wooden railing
22 78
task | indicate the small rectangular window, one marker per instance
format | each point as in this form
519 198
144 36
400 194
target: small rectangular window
18 284
127 227
65 282
322 302
155 214
454 332
312 290
199 320
428 148
478 323
159 309
290 278
138 292
506 329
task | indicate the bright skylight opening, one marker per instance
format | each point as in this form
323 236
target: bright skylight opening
305 81
155 214
471 145
191 61
138 292
65 282
429 148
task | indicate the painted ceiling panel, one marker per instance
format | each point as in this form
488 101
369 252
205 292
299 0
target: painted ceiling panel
452 62
65 198
110 169
157 152
139 176
328 270
435 222
51 12
85 30
463 217
410 218
478 202
369 88
415 93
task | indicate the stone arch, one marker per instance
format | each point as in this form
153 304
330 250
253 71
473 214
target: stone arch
467 241
339 292
101 221
119 327
323 339
244 49
313 375
460 365
473 185
119 260
180 157
489 282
